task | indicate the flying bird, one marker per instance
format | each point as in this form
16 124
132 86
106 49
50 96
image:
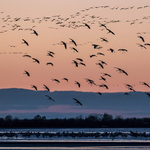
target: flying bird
99 93
105 40
112 50
100 65
148 94
77 84
77 101
90 81
144 83
49 63
87 25
74 49
125 93
109 31
106 74
73 42
103 62
142 46
103 85
79 59
92 56
27 73
49 98
102 78
121 71
36 60
24 41
81 63
34 32
33 86
75 62
45 87
96 46
50 54
65 45
100 54
56 80
26 56
65 79
123 50
141 38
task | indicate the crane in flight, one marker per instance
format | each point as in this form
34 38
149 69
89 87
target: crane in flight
144 83
100 65
75 62
76 82
49 63
98 53
141 38
56 80
65 79
34 32
26 56
102 78
106 74
73 42
87 25
111 50
49 98
25 42
121 70
36 60
45 87
27 73
77 101
79 59
65 45
109 31
33 86
90 81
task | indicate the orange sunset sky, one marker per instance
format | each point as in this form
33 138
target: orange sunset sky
57 21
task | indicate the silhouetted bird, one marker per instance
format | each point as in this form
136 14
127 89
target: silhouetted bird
49 98
73 41
77 101
35 60
141 38
45 87
24 41
103 39
140 45
49 54
100 65
148 94
74 49
125 93
87 25
102 78
112 50
109 31
65 45
103 85
81 63
99 93
34 32
33 86
106 74
79 59
144 83
148 44
65 79
27 73
123 50
90 81
102 62
75 62
77 83
96 46
49 63
56 80
92 56
121 71
100 54
26 56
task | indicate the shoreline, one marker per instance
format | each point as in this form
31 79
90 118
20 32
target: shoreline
70 144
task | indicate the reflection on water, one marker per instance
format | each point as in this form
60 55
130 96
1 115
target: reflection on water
79 148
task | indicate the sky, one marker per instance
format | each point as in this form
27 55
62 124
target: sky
57 21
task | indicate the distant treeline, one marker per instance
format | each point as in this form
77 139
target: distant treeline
92 121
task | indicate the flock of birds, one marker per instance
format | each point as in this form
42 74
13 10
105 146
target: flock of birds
67 22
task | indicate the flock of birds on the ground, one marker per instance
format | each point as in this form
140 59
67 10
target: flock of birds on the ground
67 22
76 134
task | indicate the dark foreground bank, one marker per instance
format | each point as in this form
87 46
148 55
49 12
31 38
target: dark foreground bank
70 144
